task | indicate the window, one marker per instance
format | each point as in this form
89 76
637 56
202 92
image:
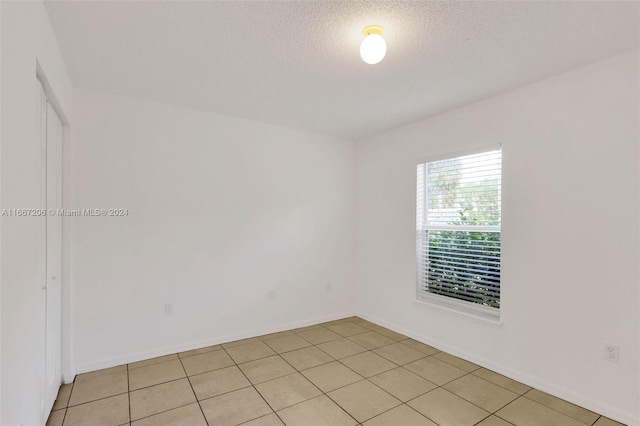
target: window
458 233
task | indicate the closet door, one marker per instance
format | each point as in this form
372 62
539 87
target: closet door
52 185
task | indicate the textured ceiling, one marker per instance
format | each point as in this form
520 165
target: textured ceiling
296 64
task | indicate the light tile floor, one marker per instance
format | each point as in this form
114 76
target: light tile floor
345 372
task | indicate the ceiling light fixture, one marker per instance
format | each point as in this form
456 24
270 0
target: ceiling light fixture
373 47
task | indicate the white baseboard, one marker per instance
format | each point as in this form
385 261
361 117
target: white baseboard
168 350
607 410
68 378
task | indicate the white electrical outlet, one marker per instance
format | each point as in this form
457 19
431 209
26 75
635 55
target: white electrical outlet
611 353
329 287
168 309
272 295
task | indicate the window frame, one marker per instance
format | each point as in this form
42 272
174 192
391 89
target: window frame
463 307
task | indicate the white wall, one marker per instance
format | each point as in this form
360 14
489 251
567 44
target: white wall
27 39
569 236
221 211
0 209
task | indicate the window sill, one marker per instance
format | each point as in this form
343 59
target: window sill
478 314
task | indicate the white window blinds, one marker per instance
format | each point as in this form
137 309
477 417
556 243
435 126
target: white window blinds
458 229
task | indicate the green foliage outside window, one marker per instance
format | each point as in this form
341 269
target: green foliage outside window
465 265
456 269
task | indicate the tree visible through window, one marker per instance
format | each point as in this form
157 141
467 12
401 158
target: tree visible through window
458 229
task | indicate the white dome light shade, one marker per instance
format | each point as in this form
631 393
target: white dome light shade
373 47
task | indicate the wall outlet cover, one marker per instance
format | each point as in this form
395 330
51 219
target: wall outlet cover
611 353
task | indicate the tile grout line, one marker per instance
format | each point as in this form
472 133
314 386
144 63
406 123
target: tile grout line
150 386
313 384
461 397
192 390
334 360
503 387
394 407
341 387
129 395
296 371
367 378
558 411
494 414
97 399
500 417
66 410
483 419
253 386
174 408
